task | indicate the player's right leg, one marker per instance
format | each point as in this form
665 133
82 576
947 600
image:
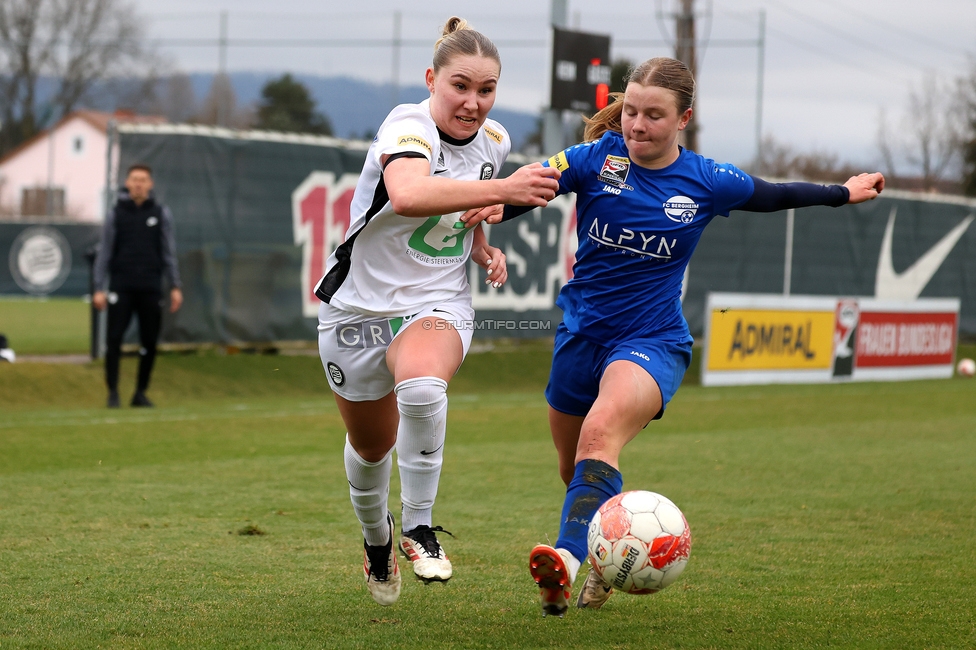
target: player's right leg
363 390
595 591
368 459
120 308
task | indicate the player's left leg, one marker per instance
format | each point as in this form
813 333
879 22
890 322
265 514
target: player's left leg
423 358
371 434
628 399
149 307
573 387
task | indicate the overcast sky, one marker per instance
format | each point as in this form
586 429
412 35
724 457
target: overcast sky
830 65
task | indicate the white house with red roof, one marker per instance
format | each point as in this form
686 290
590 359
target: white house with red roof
59 174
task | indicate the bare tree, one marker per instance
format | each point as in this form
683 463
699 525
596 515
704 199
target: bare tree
929 136
779 160
76 42
220 105
967 106
885 143
933 129
179 100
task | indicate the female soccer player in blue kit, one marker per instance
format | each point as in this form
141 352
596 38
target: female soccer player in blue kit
623 347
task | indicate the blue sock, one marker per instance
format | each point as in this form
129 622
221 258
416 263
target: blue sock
594 483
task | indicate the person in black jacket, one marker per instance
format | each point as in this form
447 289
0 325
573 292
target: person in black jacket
138 249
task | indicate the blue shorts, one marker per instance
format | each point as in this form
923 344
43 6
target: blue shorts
578 366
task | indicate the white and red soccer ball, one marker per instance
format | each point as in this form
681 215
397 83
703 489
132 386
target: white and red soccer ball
966 367
639 542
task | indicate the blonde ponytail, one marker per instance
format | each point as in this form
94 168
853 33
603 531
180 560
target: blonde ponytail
458 38
606 119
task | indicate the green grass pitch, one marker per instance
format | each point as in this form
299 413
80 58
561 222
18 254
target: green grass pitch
822 516
45 325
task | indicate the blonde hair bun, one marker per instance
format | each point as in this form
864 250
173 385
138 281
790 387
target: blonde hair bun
459 38
453 24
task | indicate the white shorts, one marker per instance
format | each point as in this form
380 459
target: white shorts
353 346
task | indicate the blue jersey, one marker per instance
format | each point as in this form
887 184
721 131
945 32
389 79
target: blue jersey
637 229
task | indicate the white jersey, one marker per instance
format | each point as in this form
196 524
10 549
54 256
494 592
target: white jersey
391 265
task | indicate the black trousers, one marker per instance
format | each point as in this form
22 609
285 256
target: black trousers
148 307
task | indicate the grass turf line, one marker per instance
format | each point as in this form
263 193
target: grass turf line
837 515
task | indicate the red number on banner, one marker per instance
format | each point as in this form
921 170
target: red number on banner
341 214
313 217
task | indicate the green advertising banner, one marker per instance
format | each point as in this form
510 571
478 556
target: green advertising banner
257 215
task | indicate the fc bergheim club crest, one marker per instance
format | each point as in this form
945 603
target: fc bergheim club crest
680 209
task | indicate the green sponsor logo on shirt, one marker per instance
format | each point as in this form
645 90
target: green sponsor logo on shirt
439 237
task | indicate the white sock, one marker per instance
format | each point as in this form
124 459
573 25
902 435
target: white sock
369 490
572 564
420 446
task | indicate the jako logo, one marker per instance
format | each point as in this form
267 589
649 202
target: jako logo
680 209
640 354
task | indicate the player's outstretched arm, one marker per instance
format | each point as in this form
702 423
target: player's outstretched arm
774 197
415 193
865 187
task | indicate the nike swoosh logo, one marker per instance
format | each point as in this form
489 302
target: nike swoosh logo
440 311
908 284
441 171
428 453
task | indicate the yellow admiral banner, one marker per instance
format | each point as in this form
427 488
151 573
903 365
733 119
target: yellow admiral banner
769 339
760 339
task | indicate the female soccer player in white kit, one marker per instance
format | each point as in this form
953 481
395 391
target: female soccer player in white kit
394 323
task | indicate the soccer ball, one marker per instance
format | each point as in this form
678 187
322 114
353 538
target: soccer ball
639 542
966 367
